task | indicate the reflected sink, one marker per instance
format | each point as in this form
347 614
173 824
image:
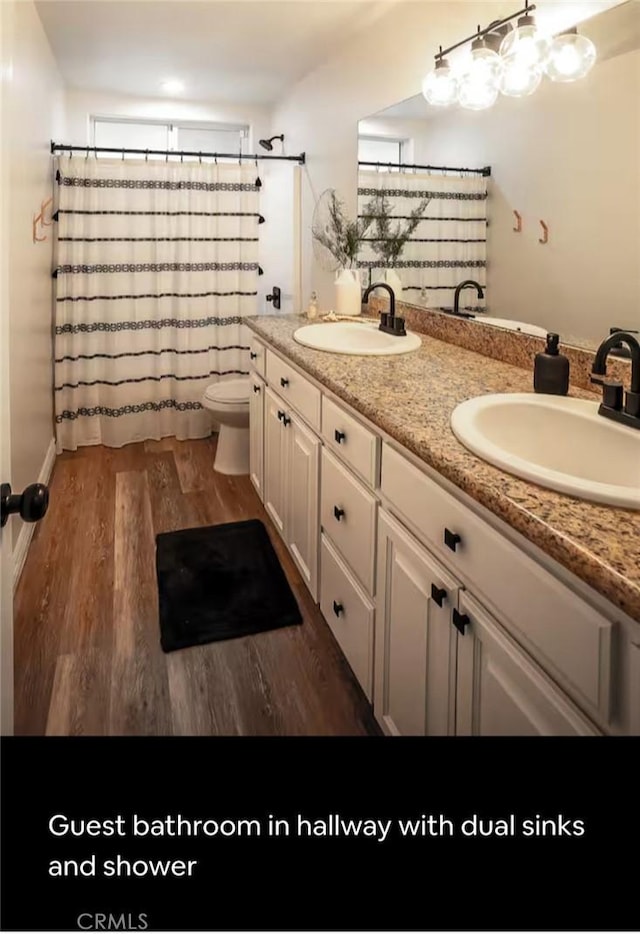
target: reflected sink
521 326
555 441
355 337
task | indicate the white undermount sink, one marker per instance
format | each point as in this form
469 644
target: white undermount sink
555 441
355 337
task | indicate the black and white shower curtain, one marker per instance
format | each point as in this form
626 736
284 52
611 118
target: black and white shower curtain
448 245
156 266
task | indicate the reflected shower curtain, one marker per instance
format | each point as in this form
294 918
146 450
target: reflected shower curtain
448 245
156 266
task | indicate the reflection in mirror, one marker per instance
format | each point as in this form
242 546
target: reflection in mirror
552 235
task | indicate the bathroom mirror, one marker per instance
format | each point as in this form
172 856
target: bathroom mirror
556 240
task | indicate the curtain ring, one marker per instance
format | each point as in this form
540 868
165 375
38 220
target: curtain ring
181 157
95 152
87 155
166 155
215 158
123 153
146 155
200 157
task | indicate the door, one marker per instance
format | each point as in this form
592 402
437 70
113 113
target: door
415 666
280 235
303 493
275 460
501 691
6 569
256 433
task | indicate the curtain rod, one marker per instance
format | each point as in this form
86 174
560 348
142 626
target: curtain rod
485 170
121 150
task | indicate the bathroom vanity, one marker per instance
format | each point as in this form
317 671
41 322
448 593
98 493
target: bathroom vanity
466 601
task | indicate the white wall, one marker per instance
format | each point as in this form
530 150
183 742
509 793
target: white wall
34 115
386 64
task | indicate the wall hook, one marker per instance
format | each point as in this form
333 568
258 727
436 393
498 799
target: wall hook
518 227
545 233
43 207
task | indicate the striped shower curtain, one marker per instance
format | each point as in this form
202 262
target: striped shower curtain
156 266
448 245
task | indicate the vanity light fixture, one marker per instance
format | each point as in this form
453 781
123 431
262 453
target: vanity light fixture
508 59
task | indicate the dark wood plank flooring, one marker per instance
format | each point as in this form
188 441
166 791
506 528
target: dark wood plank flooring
87 653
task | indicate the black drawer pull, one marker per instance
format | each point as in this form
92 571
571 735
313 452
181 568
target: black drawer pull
451 539
339 436
284 382
252 355
460 621
286 421
256 388
438 594
338 512
280 415
338 608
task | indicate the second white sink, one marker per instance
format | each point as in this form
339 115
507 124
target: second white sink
355 337
555 441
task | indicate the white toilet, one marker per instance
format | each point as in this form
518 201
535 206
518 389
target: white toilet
228 403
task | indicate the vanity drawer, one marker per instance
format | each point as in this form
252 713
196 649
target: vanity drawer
348 516
349 614
566 634
257 356
294 388
358 446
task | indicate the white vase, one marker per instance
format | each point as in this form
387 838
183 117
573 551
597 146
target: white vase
348 293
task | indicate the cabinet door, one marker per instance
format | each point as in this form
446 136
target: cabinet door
256 433
275 460
303 471
501 691
415 643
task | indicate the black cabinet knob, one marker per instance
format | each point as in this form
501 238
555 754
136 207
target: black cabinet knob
252 355
338 512
460 621
339 436
31 505
338 608
286 421
256 388
284 382
438 594
451 539
280 415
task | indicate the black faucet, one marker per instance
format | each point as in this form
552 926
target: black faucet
613 394
468 283
389 323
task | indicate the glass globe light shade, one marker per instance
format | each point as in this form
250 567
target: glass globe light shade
518 78
570 57
527 42
479 84
440 87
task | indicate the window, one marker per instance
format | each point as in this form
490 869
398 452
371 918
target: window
380 149
186 137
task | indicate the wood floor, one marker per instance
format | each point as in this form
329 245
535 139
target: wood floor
87 651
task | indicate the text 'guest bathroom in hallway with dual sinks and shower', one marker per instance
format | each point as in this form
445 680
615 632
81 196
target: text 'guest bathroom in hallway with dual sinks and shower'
320 368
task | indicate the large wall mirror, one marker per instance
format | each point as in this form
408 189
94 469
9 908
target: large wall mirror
552 235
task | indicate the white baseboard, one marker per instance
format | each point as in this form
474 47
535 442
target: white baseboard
27 528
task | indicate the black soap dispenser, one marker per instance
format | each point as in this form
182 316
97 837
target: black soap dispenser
551 369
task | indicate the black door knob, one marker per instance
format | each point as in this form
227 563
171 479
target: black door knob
451 539
31 505
339 436
284 382
338 512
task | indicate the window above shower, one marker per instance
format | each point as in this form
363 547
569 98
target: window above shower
188 136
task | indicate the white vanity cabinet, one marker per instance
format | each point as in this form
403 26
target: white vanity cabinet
256 432
291 469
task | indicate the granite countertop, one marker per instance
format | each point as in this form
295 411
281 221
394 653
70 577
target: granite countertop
411 397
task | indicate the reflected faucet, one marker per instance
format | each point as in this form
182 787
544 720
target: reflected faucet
389 323
468 283
613 394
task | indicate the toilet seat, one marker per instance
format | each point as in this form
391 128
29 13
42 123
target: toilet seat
229 392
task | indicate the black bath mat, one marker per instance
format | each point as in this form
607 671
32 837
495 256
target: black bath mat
220 582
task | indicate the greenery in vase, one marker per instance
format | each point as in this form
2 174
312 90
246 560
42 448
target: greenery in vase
340 235
389 240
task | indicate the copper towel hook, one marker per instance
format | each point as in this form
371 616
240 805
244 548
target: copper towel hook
518 227
545 233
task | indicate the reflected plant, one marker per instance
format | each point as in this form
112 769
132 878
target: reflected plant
334 231
389 240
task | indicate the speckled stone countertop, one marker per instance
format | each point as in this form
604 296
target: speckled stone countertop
411 397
